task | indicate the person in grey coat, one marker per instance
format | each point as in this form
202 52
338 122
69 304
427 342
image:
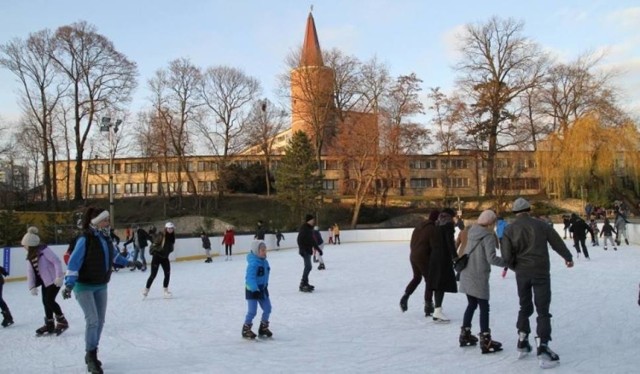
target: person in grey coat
524 248
621 229
474 280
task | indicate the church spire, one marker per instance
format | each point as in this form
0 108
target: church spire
311 54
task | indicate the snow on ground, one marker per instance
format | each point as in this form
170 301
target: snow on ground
350 324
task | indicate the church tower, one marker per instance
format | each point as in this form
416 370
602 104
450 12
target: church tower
312 105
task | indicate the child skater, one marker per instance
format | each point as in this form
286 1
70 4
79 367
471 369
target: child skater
594 232
608 232
228 240
206 244
319 248
256 290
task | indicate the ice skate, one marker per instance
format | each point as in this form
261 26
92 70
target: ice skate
488 345
247 333
306 287
321 266
428 308
404 300
61 324
48 328
466 338
94 366
524 348
263 330
7 319
145 292
439 317
626 241
546 357
166 293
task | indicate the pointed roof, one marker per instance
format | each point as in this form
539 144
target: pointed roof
311 54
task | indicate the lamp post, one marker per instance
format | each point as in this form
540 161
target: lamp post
112 128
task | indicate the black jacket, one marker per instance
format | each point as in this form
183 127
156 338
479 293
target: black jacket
305 239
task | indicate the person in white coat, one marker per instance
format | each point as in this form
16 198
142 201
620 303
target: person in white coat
474 280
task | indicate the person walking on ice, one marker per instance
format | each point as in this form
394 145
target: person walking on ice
160 250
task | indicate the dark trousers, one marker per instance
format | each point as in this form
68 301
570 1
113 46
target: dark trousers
227 249
49 301
418 275
307 268
534 291
3 304
580 242
156 262
472 304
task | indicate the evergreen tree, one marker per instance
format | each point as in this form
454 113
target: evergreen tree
298 184
11 230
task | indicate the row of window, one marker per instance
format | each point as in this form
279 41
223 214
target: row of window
501 163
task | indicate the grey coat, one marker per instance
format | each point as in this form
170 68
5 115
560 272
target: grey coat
474 279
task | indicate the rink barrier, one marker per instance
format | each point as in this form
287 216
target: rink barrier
190 249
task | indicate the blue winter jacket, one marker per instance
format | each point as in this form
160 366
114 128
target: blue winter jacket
257 277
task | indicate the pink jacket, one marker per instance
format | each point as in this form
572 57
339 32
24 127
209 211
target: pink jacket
49 267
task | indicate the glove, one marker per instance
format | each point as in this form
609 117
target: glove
58 282
34 291
66 293
256 295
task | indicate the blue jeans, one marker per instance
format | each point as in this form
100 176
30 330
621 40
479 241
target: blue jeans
252 310
94 306
139 251
307 267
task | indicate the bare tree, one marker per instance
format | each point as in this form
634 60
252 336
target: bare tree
498 64
29 60
227 94
346 83
374 83
264 124
100 79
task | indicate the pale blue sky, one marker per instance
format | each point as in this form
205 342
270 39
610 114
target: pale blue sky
410 36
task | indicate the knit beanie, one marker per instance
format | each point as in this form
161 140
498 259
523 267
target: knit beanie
255 246
487 218
520 205
309 217
31 238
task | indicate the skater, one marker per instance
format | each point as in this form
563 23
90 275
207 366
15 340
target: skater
139 238
161 248
501 224
621 228
7 319
257 291
593 225
330 241
279 237
206 244
336 234
261 231
566 219
579 229
44 269
608 231
440 276
87 276
424 238
318 249
306 244
474 281
228 240
524 248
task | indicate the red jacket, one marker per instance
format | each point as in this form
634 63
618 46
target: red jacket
229 237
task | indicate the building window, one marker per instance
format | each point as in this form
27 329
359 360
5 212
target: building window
454 163
457 182
423 183
207 166
330 165
423 164
329 184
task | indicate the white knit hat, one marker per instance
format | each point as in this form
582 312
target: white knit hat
487 217
255 246
31 238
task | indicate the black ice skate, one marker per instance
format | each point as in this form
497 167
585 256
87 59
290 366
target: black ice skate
488 345
546 357
247 333
321 266
305 288
48 328
524 348
404 300
94 366
428 308
466 338
7 319
263 330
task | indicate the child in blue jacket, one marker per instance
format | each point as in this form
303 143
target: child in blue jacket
256 290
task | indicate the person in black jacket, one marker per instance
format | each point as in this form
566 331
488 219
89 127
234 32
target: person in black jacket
306 243
160 250
579 228
139 239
